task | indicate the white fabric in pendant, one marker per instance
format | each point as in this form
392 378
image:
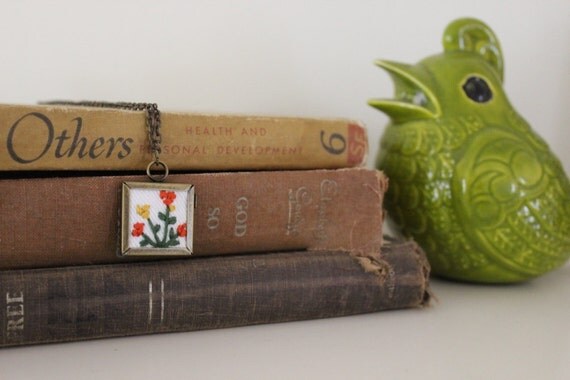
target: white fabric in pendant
157 218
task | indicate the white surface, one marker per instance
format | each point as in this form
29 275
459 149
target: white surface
305 58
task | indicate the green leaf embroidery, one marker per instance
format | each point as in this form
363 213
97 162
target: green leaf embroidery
169 237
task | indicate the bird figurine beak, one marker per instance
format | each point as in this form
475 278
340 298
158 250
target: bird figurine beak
413 99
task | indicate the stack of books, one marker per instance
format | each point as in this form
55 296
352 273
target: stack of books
287 225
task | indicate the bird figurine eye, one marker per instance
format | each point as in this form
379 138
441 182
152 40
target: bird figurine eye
477 90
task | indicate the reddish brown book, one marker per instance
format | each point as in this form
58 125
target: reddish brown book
74 220
88 302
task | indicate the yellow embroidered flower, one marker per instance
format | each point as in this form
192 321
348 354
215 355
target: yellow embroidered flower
172 208
144 211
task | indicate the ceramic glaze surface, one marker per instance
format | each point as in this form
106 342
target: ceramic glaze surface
469 179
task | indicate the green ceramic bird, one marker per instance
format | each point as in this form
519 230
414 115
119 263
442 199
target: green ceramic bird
469 179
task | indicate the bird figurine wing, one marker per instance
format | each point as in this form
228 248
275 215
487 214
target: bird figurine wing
513 199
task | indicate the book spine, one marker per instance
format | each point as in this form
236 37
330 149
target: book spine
80 138
77 303
74 220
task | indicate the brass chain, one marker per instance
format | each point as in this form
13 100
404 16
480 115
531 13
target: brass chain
152 124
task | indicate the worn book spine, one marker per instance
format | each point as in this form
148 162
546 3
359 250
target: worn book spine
89 302
74 220
87 138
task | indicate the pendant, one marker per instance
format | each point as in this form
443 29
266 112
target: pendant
157 219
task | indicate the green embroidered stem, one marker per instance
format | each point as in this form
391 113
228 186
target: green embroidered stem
156 241
166 220
169 237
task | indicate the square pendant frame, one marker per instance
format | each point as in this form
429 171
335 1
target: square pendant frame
151 244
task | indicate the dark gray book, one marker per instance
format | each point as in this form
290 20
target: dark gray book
98 301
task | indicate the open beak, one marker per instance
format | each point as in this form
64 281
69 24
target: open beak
413 99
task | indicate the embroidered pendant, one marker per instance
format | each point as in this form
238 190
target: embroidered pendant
157 219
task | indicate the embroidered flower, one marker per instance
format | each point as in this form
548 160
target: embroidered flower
144 211
167 197
181 230
138 229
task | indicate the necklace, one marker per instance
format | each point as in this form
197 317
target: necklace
156 217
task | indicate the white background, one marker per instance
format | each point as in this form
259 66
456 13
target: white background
300 58
296 57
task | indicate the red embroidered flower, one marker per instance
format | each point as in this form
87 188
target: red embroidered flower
167 197
182 230
137 229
